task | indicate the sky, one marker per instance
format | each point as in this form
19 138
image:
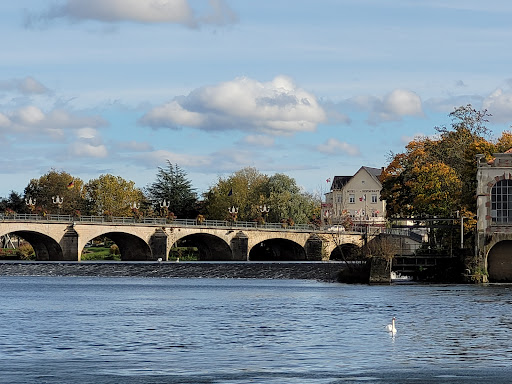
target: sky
311 89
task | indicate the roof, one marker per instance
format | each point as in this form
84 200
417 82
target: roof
375 172
491 162
340 181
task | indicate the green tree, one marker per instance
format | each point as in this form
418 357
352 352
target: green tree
244 190
13 202
248 190
287 201
52 184
436 190
173 186
112 195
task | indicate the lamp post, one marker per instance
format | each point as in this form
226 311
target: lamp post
264 211
164 205
30 203
58 200
135 209
234 212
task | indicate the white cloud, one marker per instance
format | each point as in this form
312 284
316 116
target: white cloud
392 107
139 11
25 86
29 115
82 149
499 105
86 133
403 103
335 147
278 107
34 120
396 105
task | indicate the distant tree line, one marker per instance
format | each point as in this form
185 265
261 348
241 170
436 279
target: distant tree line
242 196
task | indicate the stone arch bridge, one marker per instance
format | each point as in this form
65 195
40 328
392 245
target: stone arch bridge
62 238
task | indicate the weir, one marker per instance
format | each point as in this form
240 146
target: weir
321 271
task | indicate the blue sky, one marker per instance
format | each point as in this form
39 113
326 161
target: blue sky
312 89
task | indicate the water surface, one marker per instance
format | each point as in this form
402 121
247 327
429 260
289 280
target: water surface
133 330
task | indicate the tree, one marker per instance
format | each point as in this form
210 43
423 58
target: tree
436 190
44 190
244 190
248 190
437 176
173 186
13 202
112 195
287 201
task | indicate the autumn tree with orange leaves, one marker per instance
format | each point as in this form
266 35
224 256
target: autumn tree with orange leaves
437 176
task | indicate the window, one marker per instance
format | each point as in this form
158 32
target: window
374 198
501 202
351 198
338 200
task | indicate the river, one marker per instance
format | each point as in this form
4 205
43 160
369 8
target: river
158 330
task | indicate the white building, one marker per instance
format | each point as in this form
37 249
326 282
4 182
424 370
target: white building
356 196
494 215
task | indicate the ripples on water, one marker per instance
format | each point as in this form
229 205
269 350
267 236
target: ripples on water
129 330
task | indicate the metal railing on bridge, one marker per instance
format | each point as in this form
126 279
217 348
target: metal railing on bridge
28 217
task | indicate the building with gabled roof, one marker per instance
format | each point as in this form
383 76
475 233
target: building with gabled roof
356 196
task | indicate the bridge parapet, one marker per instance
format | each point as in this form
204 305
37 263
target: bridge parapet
155 221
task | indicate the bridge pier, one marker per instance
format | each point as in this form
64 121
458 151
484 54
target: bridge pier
158 245
240 246
69 245
314 248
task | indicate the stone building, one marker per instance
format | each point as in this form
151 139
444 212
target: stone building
494 215
357 196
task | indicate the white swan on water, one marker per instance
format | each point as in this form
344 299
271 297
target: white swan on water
391 327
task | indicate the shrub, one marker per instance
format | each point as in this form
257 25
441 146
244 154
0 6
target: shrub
26 252
114 250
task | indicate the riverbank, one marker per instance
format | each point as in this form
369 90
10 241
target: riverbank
321 271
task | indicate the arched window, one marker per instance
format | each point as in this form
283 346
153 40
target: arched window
501 202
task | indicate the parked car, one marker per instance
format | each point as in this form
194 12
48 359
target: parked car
336 228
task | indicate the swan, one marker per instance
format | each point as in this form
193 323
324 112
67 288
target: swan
391 327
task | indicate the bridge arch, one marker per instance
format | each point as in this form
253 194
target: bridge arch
499 262
131 247
277 249
346 251
210 247
45 247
